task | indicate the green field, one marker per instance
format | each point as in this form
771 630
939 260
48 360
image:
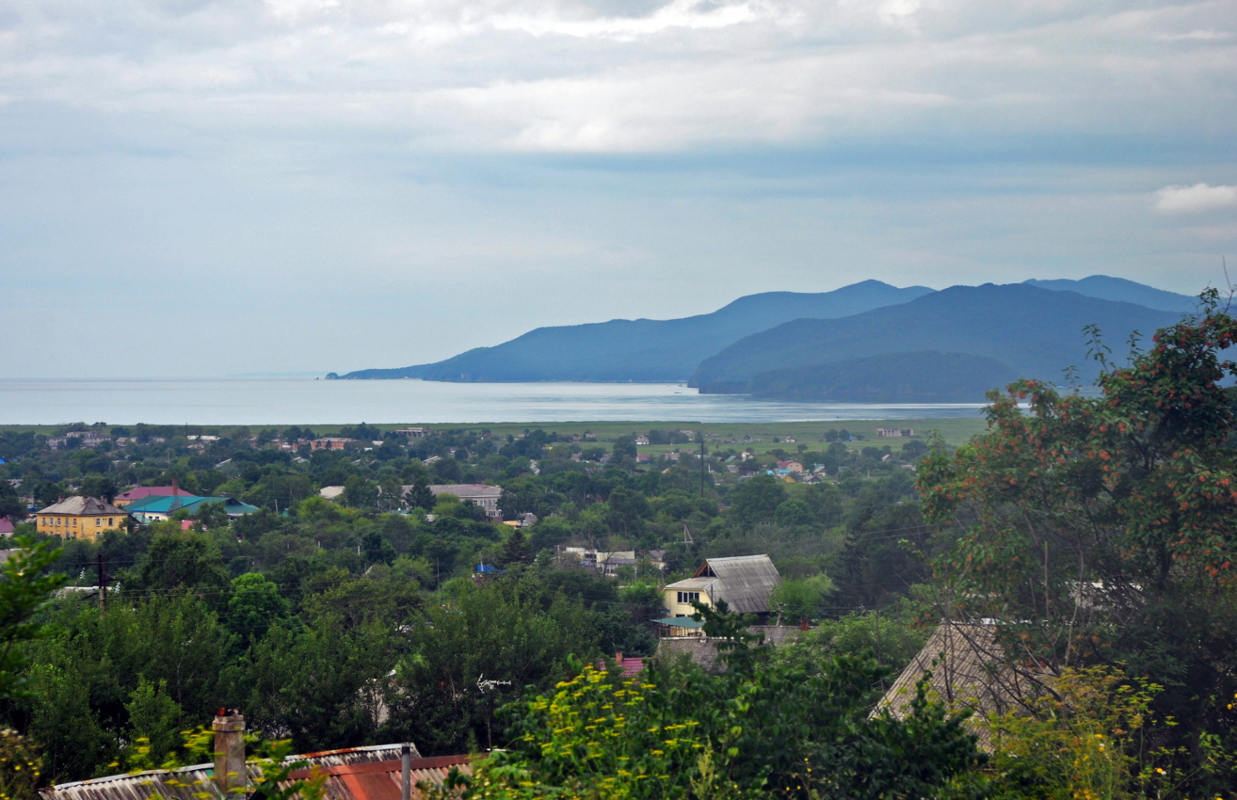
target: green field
760 436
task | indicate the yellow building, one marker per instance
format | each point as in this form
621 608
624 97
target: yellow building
743 582
80 518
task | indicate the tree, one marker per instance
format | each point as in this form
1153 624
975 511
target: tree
24 588
801 599
492 631
253 606
180 561
514 549
626 510
624 450
1102 528
756 499
795 728
154 718
420 496
11 505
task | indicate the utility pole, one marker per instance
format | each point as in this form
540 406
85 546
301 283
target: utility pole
102 586
700 435
487 688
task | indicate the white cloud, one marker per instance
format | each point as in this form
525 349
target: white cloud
1194 199
689 14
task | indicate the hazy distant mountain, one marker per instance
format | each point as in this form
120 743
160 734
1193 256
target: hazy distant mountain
988 333
1122 290
911 377
645 349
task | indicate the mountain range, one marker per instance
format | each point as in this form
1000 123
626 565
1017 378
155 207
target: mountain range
867 342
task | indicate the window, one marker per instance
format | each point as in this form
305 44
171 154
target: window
689 597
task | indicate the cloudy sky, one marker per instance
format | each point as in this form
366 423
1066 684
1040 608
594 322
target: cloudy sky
220 188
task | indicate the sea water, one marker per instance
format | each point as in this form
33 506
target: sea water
307 401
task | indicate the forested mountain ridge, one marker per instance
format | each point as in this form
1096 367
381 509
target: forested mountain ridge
645 349
1002 331
1106 287
947 368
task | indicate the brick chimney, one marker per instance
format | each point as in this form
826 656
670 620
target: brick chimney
230 774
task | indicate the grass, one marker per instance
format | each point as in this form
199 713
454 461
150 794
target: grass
760 436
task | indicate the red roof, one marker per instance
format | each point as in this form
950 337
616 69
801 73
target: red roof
6 527
141 492
630 665
382 780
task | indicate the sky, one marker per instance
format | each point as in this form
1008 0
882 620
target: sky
302 186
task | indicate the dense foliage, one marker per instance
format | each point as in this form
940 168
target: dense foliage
765 727
1101 529
1095 530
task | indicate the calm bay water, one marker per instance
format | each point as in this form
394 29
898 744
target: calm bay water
301 401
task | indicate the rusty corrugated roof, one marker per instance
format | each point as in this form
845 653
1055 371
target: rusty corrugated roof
194 782
383 780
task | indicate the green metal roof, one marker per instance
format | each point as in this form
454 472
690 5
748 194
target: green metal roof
168 505
681 622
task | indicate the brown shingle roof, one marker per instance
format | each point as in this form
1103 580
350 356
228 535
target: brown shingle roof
969 671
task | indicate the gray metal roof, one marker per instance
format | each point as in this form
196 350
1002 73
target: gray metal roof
745 581
81 506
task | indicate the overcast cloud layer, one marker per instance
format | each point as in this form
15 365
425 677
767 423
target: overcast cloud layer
217 188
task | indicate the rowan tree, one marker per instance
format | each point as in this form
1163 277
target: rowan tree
1102 527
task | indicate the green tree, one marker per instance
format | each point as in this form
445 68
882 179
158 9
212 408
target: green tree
626 510
801 599
421 497
756 499
492 631
254 605
25 587
179 561
763 728
1101 528
154 719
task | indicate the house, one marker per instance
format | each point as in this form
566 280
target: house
80 518
6 526
157 509
479 494
630 666
702 650
968 671
142 492
91 438
331 443
743 582
358 773
330 492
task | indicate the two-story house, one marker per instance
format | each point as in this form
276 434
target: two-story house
743 582
80 518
